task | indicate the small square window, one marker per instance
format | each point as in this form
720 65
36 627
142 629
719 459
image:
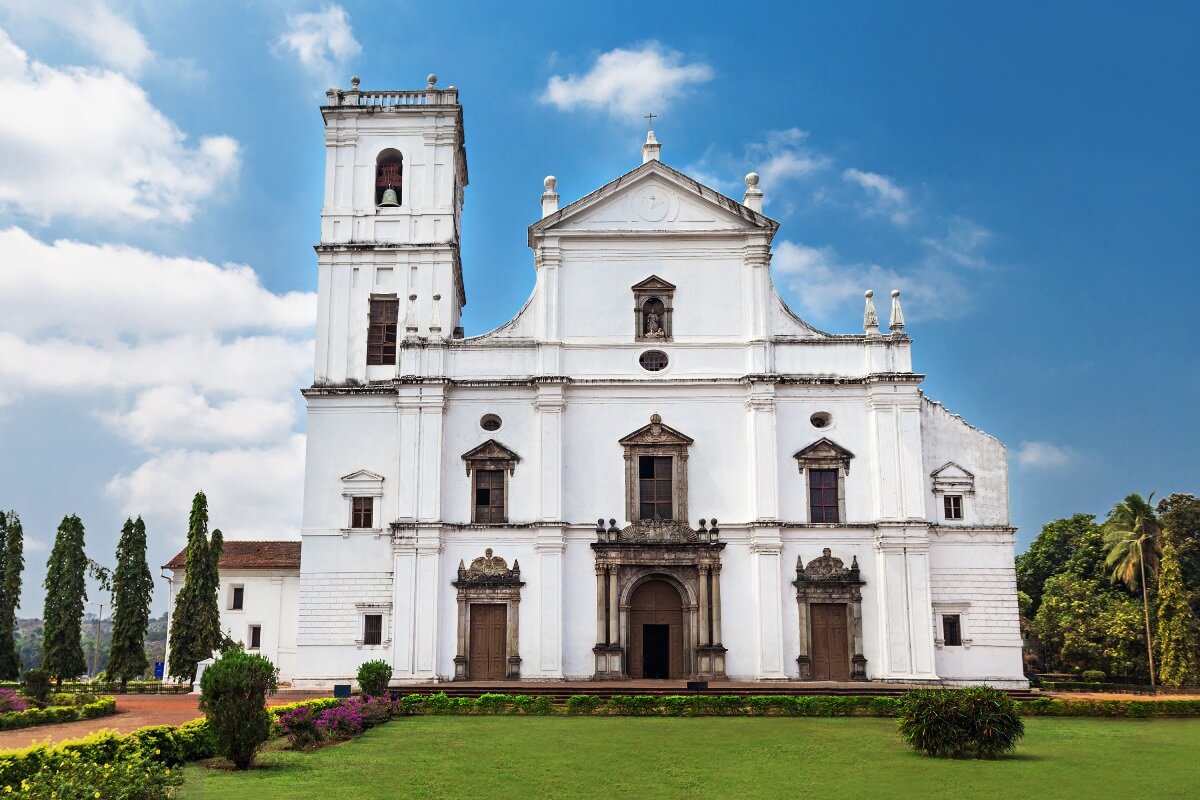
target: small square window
953 506
238 600
362 512
373 629
952 630
255 637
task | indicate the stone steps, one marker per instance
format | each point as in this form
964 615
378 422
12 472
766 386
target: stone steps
560 695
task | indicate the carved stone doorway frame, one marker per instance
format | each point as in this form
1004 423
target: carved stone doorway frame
827 580
627 559
489 580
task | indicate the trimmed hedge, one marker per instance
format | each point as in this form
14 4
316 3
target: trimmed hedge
101 707
111 687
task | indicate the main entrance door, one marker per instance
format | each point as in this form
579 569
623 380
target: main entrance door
656 632
489 632
830 647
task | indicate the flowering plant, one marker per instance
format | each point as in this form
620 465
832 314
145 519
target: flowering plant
11 701
300 726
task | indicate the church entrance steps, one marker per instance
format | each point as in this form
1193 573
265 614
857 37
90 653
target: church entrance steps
560 691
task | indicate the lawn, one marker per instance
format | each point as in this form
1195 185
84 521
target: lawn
559 757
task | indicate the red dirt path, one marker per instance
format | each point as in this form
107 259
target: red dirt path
133 711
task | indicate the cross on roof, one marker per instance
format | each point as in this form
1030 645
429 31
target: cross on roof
651 118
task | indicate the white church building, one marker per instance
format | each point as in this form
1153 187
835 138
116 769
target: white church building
653 470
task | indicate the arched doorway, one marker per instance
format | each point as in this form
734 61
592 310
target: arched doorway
656 632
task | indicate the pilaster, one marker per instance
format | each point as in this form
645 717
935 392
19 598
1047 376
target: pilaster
905 603
550 545
763 467
766 571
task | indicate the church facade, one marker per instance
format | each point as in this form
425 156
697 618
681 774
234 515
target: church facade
654 470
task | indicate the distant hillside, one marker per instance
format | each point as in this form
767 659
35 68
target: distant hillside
30 632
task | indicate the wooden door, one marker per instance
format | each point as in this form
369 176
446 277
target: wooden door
489 634
830 649
656 605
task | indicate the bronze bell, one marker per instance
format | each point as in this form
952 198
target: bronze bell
389 198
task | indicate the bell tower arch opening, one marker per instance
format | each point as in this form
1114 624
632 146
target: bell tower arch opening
389 178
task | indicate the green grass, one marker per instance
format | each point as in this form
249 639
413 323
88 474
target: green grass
557 757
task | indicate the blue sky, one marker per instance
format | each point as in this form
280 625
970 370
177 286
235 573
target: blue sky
1026 173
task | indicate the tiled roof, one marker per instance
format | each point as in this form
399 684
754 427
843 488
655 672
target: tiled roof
250 555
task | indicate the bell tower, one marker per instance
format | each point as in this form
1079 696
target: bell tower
395 171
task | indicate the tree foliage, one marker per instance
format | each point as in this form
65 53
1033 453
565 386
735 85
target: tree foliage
1072 544
1086 624
1178 637
1180 515
133 589
1133 539
12 562
66 592
196 621
233 695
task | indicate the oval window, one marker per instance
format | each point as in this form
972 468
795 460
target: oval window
490 422
653 360
821 419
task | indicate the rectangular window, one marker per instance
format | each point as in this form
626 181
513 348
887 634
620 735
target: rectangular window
489 495
823 495
952 503
255 637
655 487
362 512
951 630
373 629
382 329
238 599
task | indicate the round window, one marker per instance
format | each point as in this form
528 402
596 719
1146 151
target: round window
821 419
653 360
490 422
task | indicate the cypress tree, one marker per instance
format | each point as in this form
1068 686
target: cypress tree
66 592
1178 637
12 562
196 622
133 588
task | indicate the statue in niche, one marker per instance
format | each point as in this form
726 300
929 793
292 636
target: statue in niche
652 327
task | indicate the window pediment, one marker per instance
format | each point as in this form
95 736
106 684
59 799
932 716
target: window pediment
951 478
362 483
490 455
824 454
653 284
656 433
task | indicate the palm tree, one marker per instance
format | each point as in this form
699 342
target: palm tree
1132 537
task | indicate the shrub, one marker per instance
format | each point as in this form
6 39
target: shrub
1093 676
979 722
340 722
493 703
583 704
10 701
374 677
134 777
233 694
37 684
521 704
300 727
159 743
543 705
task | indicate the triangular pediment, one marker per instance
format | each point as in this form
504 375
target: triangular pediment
653 197
491 450
362 475
824 449
950 470
653 284
656 433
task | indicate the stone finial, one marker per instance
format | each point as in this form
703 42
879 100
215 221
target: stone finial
435 319
870 317
549 197
897 322
354 81
651 149
753 199
432 81
410 315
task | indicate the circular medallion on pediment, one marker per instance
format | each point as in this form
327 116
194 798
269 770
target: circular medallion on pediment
652 203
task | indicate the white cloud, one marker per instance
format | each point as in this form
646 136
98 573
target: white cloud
1043 454
180 415
961 243
72 289
784 157
252 492
88 143
628 83
322 41
888 198
828 288
93 24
